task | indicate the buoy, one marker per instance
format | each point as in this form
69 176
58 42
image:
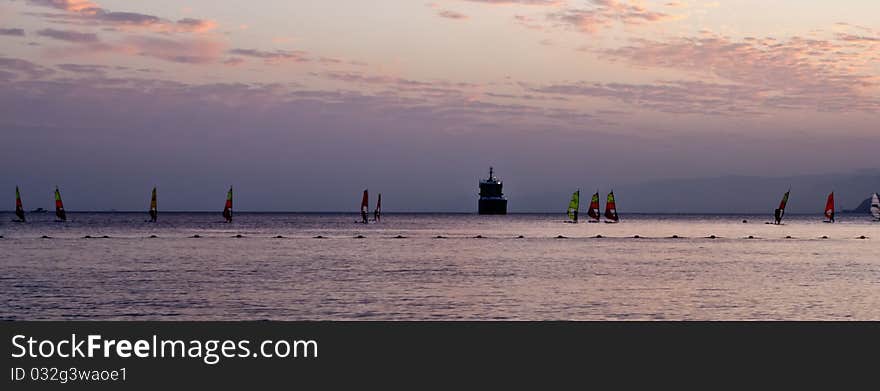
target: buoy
751 237
319 237
860 237
359 237
788 236
400 237
675 236
824 236
598 236
636 236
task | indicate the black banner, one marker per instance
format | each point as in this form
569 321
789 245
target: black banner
417 355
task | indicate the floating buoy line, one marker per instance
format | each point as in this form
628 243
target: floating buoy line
478 236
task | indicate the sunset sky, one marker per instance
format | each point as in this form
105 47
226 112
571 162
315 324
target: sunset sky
302 104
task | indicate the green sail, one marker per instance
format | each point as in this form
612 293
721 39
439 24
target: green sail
574 205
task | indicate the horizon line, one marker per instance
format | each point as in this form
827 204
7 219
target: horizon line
47 211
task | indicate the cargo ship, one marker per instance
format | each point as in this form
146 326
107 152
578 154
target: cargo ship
492 201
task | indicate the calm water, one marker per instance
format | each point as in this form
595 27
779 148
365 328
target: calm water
176 277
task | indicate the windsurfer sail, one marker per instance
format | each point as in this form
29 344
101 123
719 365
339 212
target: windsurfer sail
154 212
227 210
875 206
573 206
593 212
59 206
19 210
365 207
829 208
780 211
378 212
611 209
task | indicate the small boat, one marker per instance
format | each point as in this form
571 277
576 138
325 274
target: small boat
365 207
59 206
780 211
875 206
154 212
227 210
574 206
19 210
593 212
378 212
829 208
611 209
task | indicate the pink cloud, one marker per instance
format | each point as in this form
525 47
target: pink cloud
755 75
794 63
67 5
89 13
519 2
605 13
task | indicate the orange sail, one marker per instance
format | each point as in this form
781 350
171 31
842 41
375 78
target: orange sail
829 208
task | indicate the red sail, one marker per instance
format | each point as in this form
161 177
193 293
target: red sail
611 208
19 209
227 209
59 206
593 212
829 207
784 200
365 204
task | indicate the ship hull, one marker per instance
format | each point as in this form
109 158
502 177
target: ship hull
492 207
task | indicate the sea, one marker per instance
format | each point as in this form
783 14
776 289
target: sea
325 266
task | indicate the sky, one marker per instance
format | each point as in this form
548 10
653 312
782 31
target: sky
300 105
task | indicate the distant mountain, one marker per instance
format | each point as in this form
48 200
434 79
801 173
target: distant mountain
746 194
864 207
